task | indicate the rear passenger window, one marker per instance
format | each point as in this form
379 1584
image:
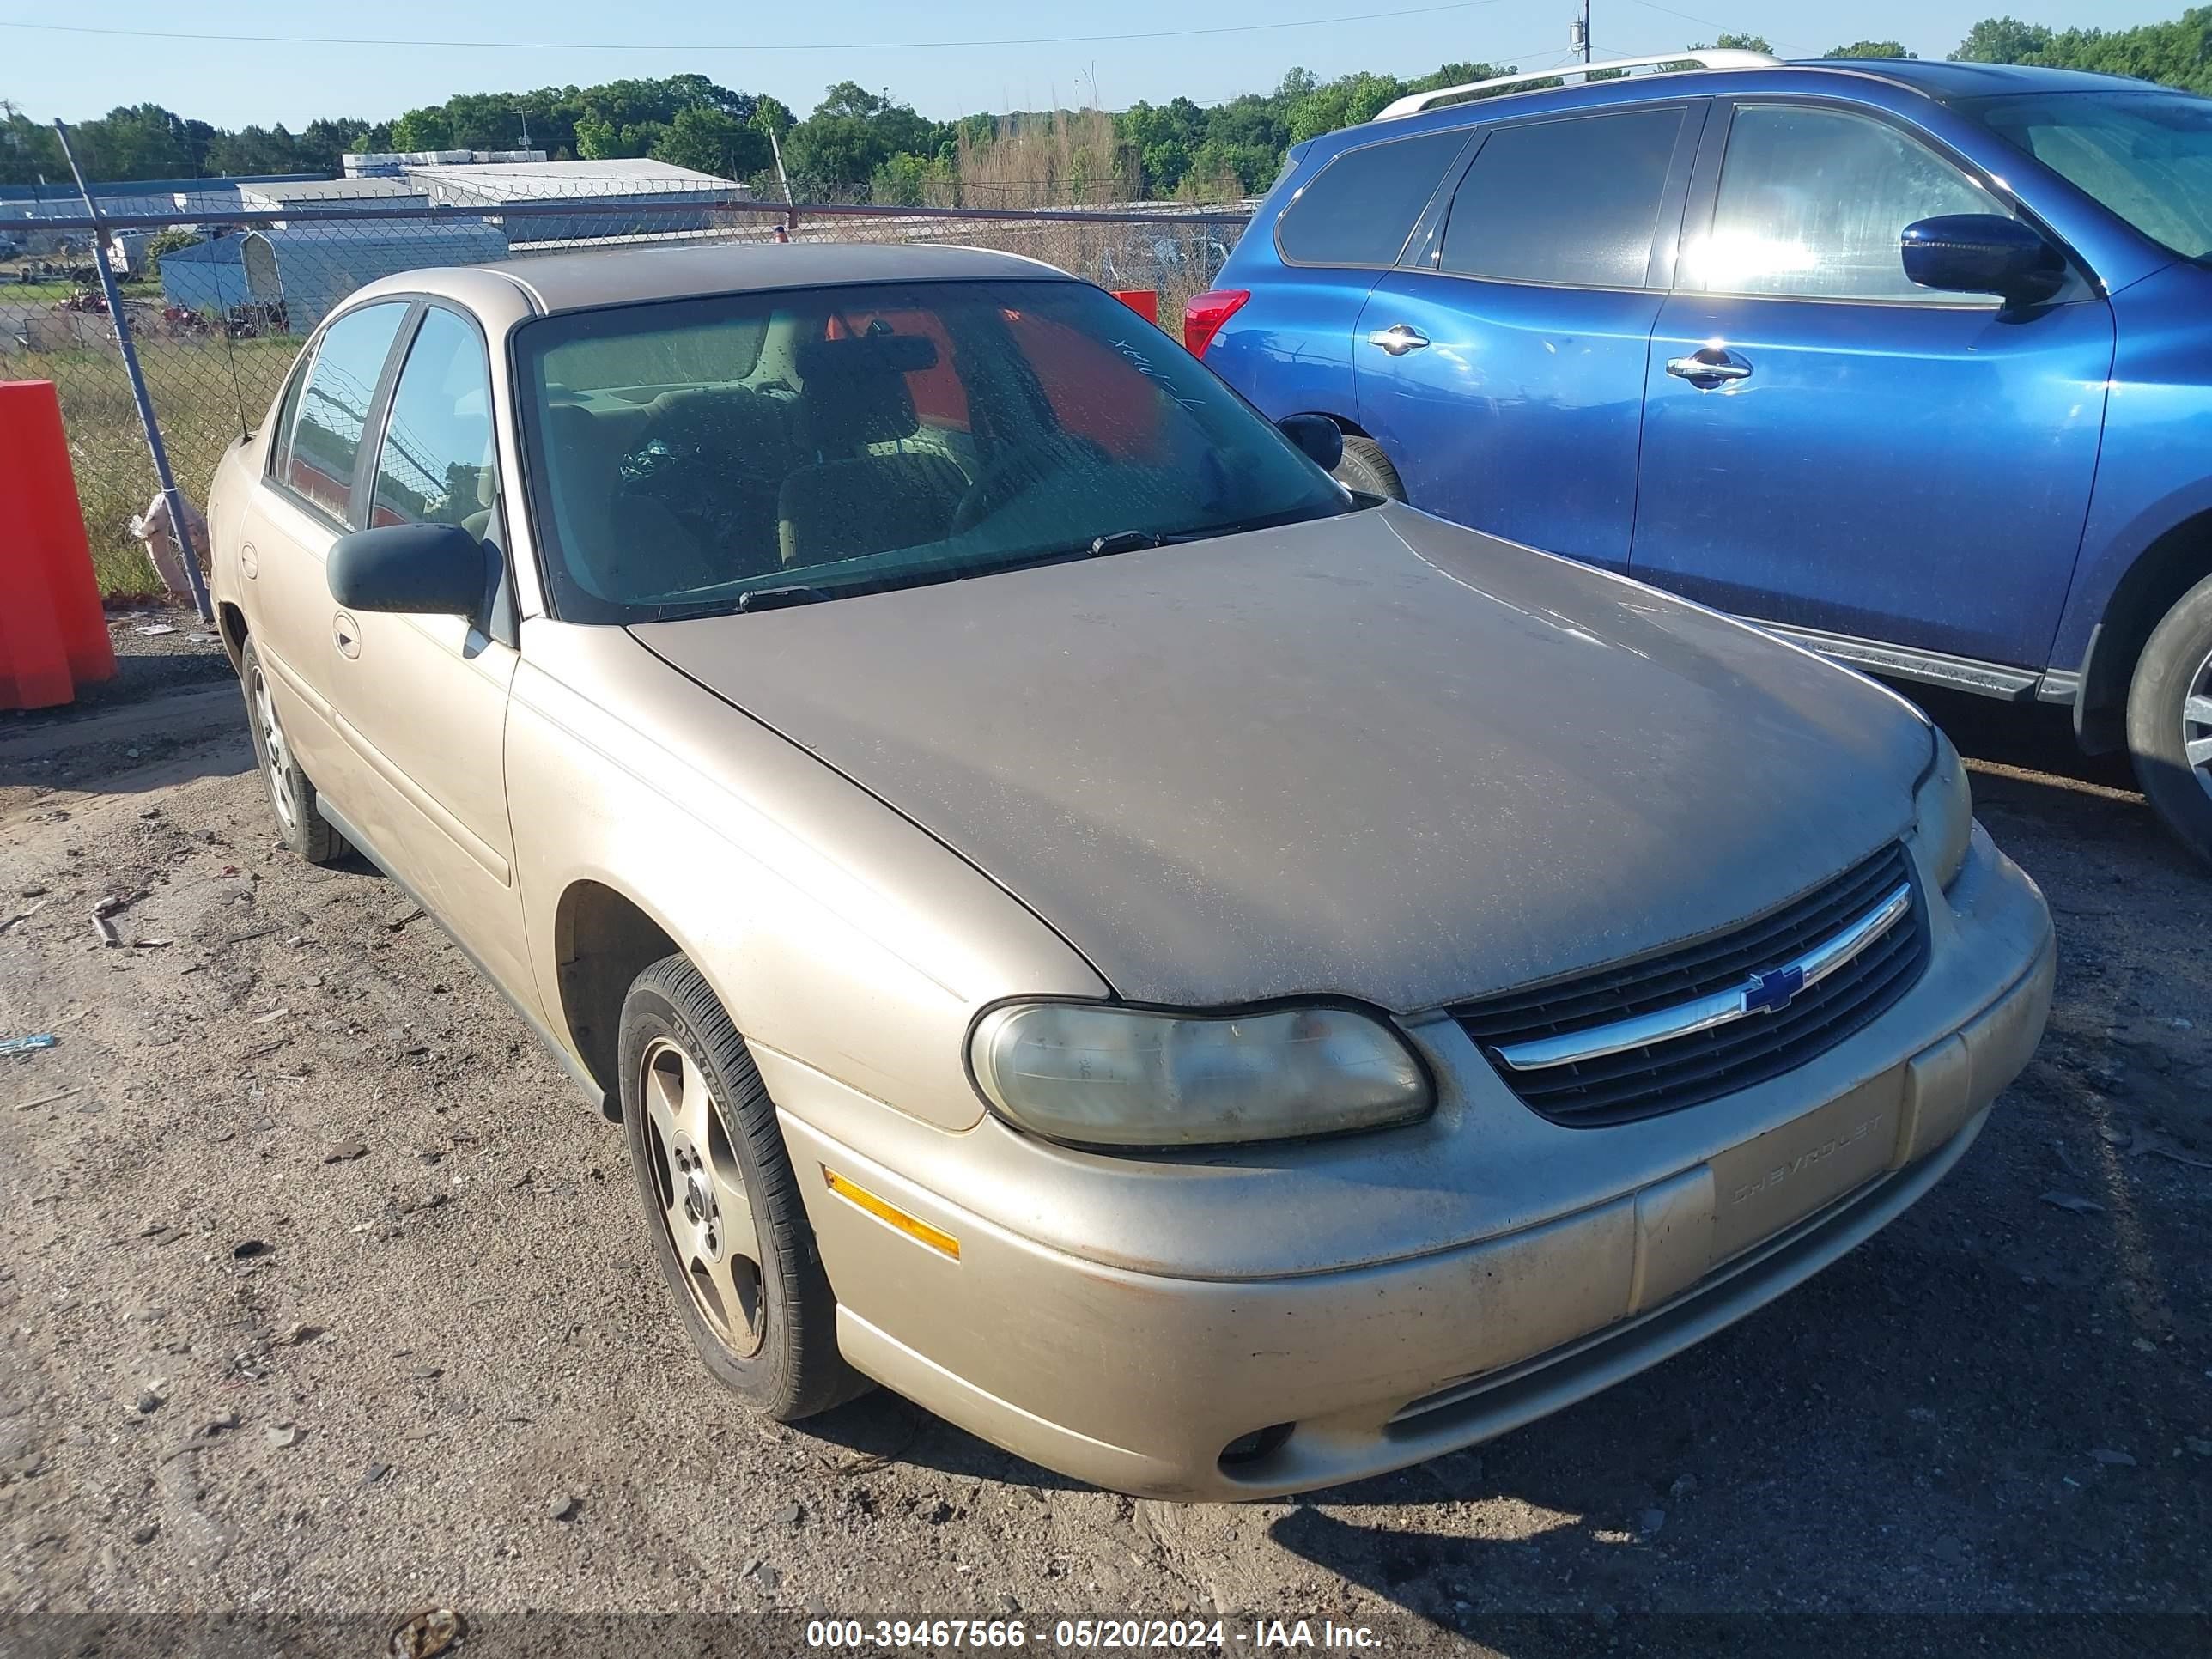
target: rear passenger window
1811 203
1360 209
1570 203
326 437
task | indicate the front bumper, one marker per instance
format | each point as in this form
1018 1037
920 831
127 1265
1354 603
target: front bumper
1137 1377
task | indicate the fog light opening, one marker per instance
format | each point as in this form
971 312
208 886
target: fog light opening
1251 1448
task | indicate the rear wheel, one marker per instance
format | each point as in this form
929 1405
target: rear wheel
2170 720
291 796
1365 467
721 1202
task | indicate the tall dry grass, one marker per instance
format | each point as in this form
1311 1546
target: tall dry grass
1072 158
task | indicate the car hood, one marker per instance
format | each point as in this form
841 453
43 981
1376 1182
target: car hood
1377 755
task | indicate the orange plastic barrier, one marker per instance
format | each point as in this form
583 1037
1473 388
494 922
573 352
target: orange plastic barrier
1144 302
53 634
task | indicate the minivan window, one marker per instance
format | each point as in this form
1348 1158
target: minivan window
1572 203
1811 204
326 437
1360 209
2146 155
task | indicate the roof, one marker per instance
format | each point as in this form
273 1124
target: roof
578 281
1946 80
1938 79
637 174
340 190
150 186
435 240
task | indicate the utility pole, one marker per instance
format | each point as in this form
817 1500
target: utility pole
1578 34
180 525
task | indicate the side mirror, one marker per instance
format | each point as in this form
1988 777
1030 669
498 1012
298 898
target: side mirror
419 569
1317 436
1982 253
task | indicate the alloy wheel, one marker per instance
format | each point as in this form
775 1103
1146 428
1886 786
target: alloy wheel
276 755
2196 724
705 1209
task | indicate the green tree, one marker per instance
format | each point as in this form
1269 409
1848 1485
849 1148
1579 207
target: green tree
1343 102
853 132
913 180
2002 40
773 115
424 129
141 141
1870 49
28 150
1165 136
323 144
1727 42
255 149
168 242
597 140
708 139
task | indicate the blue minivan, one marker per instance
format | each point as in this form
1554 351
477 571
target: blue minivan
1911 362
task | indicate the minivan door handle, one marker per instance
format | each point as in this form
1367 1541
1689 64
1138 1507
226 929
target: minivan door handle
1709 367
1398 340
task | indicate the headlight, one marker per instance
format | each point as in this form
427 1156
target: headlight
1123 1076
1943 811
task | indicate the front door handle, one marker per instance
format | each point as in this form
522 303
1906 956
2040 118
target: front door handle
1709 366
1398 340
346 632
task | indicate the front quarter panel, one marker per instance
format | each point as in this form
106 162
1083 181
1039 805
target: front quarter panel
834 929
2151 474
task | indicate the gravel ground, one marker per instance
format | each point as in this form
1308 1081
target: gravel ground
325 1294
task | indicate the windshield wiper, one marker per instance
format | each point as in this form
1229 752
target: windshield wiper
776 598
1125 541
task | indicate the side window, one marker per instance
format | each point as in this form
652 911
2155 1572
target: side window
1360 208
1572 203
1811 203
280 435
325 440
437 464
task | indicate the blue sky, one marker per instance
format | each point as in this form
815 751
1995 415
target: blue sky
795 51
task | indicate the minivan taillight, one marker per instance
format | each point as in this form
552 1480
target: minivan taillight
1202 317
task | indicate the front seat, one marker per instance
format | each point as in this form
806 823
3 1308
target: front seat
858 496
618 545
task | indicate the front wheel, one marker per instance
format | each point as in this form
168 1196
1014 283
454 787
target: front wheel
1368 470
2170 720
721 1202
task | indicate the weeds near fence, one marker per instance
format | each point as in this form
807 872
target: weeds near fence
234 308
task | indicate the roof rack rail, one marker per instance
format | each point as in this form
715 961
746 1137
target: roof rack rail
1721 57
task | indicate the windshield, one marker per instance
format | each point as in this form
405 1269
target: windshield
2146 155
701 455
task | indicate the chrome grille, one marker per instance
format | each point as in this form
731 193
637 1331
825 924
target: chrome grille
1667 1075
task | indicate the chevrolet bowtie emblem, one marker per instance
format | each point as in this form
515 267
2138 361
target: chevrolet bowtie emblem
1769 993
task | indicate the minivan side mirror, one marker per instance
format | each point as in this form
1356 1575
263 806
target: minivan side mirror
1319 437
417 569
1982 253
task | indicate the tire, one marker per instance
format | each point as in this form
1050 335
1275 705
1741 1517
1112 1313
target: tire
764 1324
1366 468
2169 715
291 794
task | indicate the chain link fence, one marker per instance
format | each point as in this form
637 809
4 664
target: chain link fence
221 288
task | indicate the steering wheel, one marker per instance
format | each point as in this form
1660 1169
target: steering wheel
1013 473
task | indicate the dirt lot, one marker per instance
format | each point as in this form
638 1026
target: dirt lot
323 1294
